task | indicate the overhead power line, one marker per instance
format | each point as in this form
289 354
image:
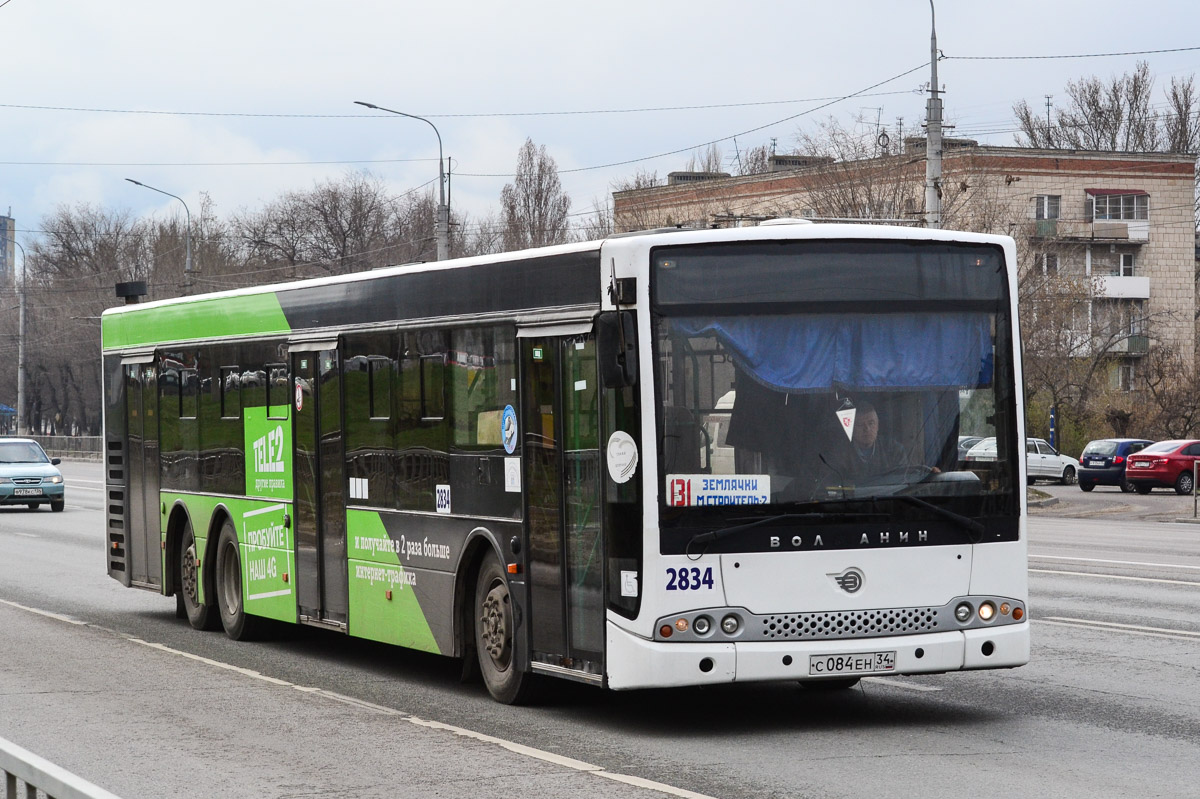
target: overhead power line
944 57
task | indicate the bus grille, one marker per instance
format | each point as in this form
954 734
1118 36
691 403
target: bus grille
850 624
115 491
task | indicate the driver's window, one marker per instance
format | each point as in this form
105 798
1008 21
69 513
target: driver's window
1045 448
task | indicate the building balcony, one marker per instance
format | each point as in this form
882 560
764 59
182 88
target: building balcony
1087 230
1115 287
1132 345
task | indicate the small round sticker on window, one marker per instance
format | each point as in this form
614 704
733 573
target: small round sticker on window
508 429
299 395
622 456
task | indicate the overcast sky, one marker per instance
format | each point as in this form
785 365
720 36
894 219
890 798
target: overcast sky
246 99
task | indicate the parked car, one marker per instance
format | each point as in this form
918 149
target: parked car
1042 461
28 476
1167 464
1103 462
964 445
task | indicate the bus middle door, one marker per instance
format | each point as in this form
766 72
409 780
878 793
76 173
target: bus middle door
319 477
562 494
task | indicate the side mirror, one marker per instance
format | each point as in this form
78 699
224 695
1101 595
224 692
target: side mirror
55 461
616 348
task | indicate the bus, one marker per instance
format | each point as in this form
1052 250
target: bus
669 458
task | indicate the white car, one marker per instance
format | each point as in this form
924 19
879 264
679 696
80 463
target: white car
1042 461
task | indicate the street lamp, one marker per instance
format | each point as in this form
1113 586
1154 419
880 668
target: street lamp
22 430
442 225
187 234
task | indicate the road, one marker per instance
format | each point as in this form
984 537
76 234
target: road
117 690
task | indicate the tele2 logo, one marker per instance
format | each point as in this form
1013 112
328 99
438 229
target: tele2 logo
268 452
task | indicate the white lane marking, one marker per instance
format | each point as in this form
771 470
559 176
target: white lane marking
898 684
1116 577
1120 626
74 487
512 746
1094 628
1118 562
46 613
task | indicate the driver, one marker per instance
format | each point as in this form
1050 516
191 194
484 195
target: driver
873 455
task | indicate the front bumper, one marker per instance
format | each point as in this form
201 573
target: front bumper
49 492
634 662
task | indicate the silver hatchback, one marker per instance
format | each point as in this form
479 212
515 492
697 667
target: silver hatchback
28 476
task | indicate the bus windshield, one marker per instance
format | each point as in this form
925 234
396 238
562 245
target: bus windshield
786 392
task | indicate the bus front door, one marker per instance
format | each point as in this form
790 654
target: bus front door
563 512
318 476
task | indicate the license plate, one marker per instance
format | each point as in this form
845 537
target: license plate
27 492
859 663
1095 464
1139 465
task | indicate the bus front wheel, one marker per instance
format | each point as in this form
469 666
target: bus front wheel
494 635
239 625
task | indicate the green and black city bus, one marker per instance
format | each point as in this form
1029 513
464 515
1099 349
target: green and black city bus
627 462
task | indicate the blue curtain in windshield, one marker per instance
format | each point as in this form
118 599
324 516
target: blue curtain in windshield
864 351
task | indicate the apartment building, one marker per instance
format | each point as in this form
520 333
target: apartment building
1122 225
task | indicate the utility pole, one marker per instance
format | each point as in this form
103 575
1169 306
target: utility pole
22 423
1048 96
933 135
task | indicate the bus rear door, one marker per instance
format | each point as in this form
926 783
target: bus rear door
318 475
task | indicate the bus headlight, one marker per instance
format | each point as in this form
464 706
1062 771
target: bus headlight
987 611
963 612
702 625
730 624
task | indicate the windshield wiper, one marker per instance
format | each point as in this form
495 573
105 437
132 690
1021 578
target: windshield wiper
966 522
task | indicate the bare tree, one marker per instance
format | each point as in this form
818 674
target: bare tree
755 161
708 159
534 207
1111 116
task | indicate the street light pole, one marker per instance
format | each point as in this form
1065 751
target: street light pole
442 225
22 425
187 235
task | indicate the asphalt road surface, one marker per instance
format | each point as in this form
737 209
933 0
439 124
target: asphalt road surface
107 683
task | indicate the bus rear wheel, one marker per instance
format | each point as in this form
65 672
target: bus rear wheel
494 635
239 625
200 616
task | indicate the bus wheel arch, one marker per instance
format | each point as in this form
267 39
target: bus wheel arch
185 574
478 544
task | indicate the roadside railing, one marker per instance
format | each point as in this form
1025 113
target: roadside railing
37 774
84 448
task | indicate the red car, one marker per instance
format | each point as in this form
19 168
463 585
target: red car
1167 464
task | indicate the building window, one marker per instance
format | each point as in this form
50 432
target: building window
1049 262
1045 206
1118 206
1125 377
1126 264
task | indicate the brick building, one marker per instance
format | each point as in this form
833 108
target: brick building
1121 224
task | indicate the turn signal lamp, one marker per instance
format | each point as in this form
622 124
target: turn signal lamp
666 631
987 611
1004 608
681 625
1018 614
